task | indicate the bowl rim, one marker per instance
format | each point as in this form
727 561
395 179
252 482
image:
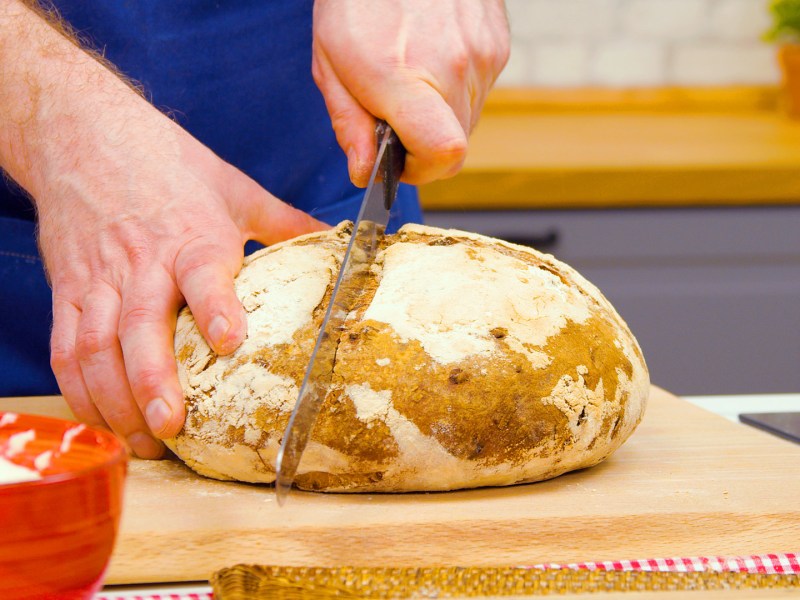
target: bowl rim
117 453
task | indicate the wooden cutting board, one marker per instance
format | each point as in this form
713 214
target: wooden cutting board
687 483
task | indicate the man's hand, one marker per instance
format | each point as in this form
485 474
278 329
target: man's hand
136 217
425 67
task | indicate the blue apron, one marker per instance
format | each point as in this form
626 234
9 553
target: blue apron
237 75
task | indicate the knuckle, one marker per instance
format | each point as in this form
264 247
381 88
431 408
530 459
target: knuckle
460 63
451 151
500 55
490 50
139 255
317 73
62 355
204 252
189 264
134 317
119 415
341 119
92 341
147 381
207 270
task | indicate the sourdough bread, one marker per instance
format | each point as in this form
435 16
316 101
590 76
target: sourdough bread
471 362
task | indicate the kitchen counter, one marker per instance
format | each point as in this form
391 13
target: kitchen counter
730 147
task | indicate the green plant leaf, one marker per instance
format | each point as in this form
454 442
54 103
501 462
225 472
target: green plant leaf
785 21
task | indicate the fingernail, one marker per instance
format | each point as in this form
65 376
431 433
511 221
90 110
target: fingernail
144 446
158 414
352 165
218 330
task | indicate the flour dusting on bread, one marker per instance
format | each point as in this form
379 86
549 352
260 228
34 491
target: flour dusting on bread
468 362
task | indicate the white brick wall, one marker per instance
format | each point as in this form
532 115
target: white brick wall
663 19
560 18
739 20
628 62
706 63
629 43
560 63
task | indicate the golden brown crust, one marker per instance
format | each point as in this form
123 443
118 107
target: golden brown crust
434 397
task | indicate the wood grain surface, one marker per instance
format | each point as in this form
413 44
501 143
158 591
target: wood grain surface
504 99
687 483
665 148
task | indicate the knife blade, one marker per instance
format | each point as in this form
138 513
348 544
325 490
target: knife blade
368 228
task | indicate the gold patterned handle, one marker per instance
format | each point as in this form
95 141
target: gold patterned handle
253 582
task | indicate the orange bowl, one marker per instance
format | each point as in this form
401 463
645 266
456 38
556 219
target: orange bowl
57 528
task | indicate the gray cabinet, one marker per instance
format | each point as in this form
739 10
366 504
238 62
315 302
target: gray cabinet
712 295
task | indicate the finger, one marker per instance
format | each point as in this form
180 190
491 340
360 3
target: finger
263 217
100 356
475 99
353 124
432 133
204 272
411 106
65 365
146 333
425 121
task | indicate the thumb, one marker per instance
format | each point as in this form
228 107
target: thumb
434 137
266 219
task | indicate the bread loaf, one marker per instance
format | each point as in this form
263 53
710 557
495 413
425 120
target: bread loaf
471 362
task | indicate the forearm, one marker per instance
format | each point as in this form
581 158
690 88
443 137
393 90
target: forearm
53 99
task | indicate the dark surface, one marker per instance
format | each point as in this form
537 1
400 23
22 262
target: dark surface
785 425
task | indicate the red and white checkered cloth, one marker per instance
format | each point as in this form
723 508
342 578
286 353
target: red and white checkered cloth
785 564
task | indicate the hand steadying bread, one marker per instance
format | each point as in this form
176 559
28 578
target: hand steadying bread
472 362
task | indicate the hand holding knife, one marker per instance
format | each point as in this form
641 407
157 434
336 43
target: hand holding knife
370 225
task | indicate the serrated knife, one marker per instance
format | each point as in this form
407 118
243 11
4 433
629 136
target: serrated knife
370 225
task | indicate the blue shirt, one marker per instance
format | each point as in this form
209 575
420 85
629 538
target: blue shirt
237 76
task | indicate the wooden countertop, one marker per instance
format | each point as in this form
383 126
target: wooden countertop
729 147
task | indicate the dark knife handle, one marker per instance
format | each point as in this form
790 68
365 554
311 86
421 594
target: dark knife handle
393 163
